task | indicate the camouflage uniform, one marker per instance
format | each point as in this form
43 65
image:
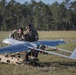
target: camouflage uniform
31 35
14 34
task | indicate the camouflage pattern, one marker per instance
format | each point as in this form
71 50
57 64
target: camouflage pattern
32 35
15 35
20 37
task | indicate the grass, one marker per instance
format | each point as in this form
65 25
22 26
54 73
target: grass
57 34
49 64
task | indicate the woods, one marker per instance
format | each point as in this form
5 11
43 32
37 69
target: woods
43 16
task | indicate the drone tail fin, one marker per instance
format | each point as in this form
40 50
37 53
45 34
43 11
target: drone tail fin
73 55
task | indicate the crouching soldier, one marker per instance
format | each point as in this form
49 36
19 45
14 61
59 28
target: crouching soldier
31 36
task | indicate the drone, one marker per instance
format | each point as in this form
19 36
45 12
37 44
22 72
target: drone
16 46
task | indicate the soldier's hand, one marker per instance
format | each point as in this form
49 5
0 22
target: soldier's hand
14 31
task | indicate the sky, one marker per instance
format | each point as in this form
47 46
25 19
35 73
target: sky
44 1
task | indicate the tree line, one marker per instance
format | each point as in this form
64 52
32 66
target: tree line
56 16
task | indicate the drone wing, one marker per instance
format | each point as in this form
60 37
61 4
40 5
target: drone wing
50 42
11 41
15 48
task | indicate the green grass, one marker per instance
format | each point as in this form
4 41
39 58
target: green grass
49 64
57 34
4 34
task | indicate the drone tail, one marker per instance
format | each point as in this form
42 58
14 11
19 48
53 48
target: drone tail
73 55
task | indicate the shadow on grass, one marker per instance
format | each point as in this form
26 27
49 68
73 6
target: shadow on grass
54 64
71 64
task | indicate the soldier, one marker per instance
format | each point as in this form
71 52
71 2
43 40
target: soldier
31 36
17 34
